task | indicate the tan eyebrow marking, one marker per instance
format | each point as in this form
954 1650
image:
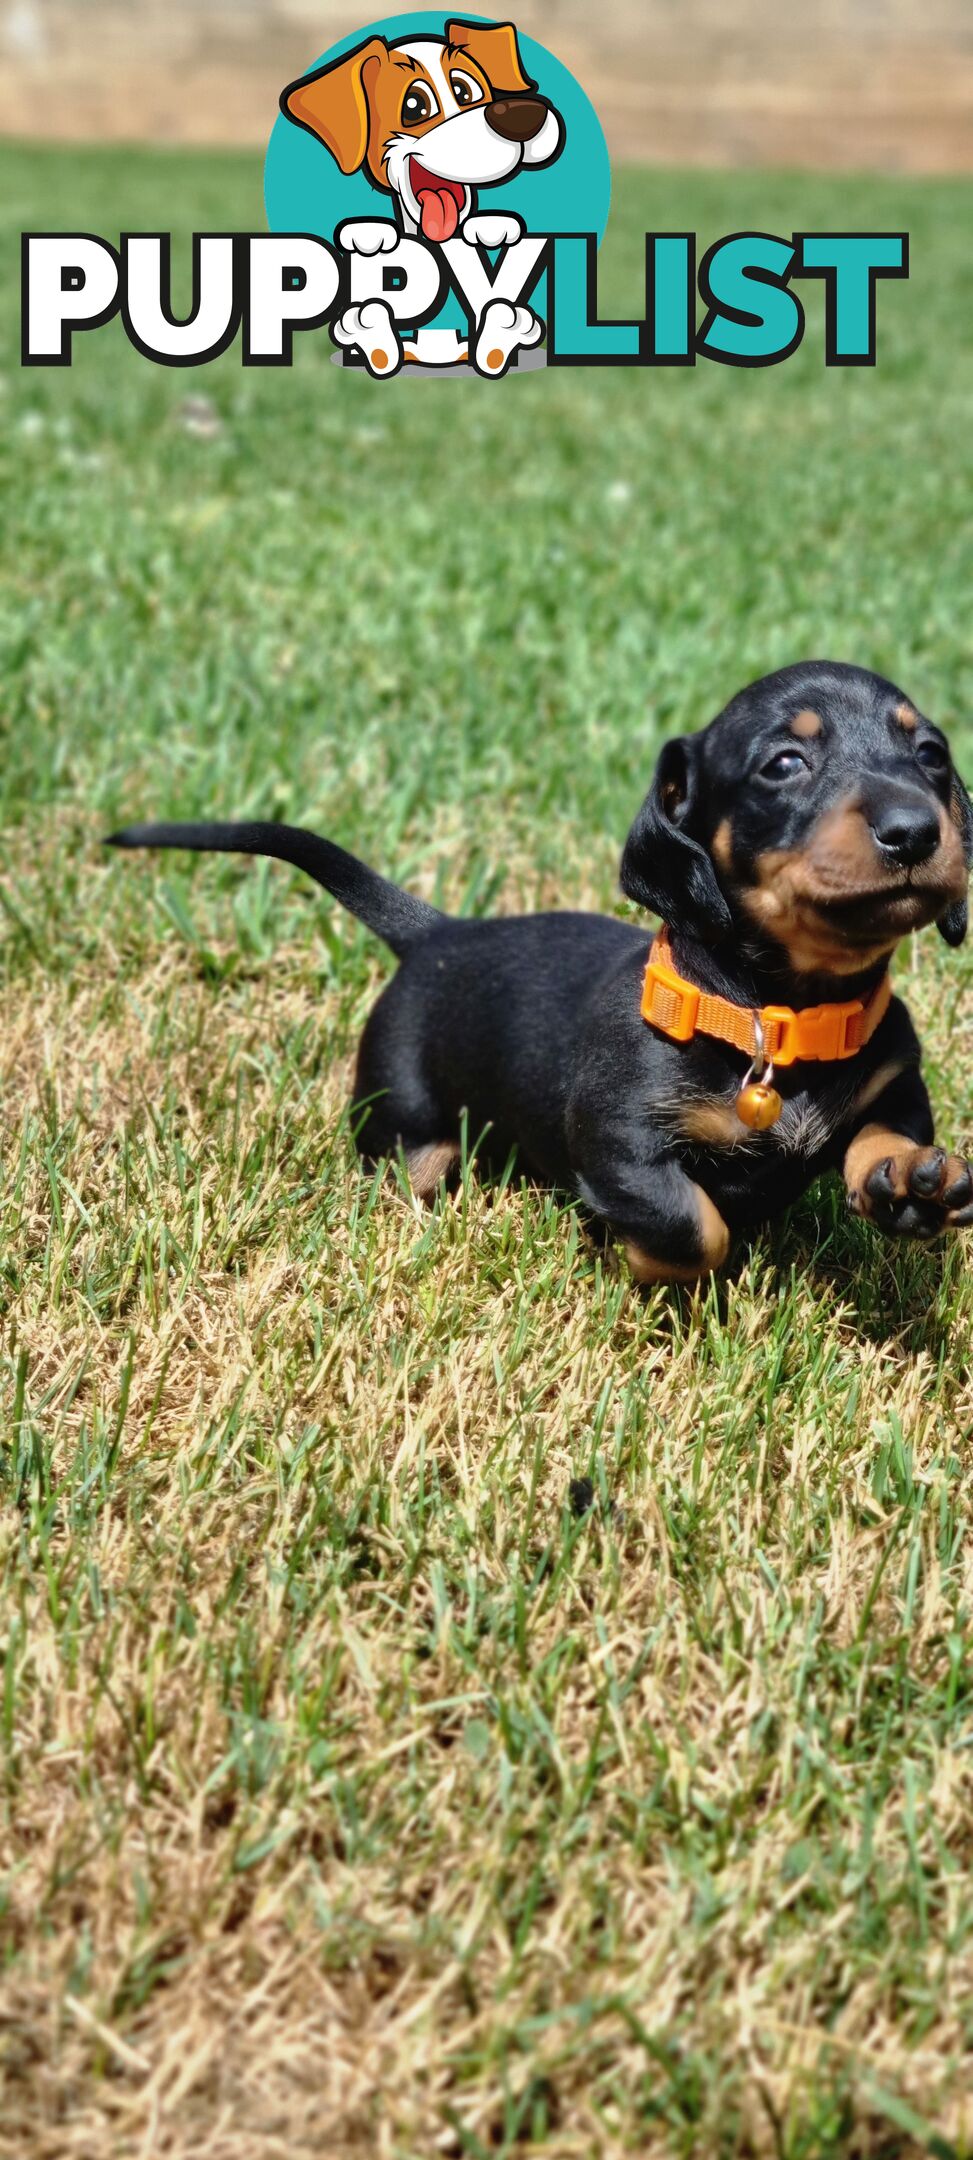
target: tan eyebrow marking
906 717
807 723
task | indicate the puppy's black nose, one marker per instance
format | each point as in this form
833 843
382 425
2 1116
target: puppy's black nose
907 830
517 119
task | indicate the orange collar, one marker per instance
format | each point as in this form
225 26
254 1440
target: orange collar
681 1010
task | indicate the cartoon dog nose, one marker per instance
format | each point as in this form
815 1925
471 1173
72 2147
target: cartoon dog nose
517 119
906 830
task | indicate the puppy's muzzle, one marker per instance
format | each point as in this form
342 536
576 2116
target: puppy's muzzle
516 119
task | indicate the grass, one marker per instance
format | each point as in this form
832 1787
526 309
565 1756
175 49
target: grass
372 1783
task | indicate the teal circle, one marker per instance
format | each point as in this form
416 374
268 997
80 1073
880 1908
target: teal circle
306 191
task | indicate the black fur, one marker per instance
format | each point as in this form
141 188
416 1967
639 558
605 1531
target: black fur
397 917
662 861
531 1027
954 921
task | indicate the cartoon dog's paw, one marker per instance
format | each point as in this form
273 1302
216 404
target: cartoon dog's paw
505 330
368 236
917 1192
371 328
492 229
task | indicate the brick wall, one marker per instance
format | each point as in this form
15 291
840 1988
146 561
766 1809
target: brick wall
858 83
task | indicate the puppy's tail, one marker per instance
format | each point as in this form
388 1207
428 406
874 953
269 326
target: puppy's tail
398 917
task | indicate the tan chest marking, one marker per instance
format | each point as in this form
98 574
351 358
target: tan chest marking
712 1122
804 1127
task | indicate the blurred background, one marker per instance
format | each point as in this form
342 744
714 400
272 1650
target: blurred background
883 85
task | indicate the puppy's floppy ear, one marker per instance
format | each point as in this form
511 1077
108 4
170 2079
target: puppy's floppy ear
663 867
952 923
494 48
332 103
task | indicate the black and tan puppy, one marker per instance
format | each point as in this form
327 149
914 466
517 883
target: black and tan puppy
691 1087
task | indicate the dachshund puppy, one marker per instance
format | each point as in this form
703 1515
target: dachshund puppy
690 1086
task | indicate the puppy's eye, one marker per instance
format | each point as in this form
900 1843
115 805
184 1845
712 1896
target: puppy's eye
785 765
418 104
464 89
932 757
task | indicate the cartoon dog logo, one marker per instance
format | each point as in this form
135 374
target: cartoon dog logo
431 121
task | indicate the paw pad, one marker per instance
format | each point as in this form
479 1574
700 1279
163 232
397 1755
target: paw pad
918 1193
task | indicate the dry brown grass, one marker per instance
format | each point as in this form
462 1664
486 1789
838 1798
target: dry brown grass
358 1797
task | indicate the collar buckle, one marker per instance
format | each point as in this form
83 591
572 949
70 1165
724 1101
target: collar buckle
825 1033
669 1003
780 1034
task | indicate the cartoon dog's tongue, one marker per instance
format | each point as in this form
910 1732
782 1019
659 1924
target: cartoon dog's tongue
438 215
440 203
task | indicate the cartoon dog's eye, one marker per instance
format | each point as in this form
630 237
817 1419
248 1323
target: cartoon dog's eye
418 104
784 766
464 89
932 756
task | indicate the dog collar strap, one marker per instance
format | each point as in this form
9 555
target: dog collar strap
776 1033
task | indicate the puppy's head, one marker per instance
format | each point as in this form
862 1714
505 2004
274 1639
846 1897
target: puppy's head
819 813
430 120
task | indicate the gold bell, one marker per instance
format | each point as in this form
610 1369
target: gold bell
758 1106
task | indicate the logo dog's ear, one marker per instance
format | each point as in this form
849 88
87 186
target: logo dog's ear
332 103
663 867
952 923
494 48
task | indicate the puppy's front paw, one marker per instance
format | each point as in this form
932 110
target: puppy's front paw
492 229
914 1191
505 330
368 236
370 327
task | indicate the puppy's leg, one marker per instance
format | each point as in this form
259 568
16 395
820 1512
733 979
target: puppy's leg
671 1230
386 1127
429 1163
894 1174
398 1107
